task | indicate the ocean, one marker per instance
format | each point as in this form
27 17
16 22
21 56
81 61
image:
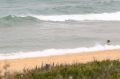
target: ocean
52 27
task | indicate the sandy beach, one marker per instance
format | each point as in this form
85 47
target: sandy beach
29 63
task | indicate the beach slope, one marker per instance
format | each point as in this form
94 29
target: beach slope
84 57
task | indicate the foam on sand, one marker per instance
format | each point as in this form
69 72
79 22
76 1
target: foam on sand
51 52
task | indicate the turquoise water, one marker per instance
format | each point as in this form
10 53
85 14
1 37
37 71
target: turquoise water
50 7
35 25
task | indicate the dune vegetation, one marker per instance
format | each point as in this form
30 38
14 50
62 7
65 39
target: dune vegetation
107 69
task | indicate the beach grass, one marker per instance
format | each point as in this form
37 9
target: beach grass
106 69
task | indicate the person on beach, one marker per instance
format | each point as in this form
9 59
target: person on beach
108 42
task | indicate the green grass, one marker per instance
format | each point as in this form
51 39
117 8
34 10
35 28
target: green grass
93 70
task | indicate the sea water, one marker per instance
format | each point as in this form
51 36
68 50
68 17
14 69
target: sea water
54 27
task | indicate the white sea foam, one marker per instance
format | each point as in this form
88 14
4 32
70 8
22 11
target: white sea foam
115 16
80 17
51 52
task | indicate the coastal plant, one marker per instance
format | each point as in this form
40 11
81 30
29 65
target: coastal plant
107 69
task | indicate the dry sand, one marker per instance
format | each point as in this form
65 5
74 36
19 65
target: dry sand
29 63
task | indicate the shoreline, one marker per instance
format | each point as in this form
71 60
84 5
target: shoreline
84 57
54 52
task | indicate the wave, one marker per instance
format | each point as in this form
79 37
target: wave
81 17
11 20
17 17
78 17
51 52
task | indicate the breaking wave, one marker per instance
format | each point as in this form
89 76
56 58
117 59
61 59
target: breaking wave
78 17
51 52
11 20
81 17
